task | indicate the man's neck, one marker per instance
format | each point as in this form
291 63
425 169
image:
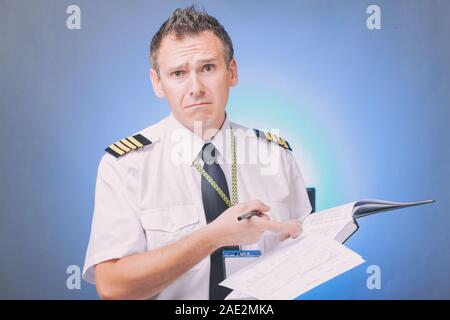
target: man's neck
210 133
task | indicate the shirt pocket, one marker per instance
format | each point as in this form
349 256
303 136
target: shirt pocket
164 226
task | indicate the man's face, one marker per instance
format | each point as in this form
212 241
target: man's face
194 78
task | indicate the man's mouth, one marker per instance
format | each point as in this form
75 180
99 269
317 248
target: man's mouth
197 104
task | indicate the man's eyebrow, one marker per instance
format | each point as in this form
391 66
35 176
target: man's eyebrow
180 66
185 65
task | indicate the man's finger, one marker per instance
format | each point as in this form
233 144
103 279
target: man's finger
262 216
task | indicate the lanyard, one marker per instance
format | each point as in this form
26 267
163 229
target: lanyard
234 195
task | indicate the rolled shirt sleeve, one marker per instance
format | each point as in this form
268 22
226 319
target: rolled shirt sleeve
116 230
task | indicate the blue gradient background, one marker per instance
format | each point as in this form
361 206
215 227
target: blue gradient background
367 114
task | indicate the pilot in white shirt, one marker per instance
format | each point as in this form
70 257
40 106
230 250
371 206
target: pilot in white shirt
152 236
151 196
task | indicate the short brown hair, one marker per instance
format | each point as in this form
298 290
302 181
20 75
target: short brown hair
189 21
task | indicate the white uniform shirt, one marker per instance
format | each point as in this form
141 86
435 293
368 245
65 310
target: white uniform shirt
151 197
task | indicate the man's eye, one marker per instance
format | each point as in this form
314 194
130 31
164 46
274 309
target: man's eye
177 74
208 67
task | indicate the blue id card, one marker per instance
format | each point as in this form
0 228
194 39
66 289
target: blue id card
233 260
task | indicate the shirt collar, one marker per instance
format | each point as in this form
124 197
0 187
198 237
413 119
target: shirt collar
186 145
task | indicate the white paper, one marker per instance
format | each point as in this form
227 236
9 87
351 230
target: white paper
293 267
329 222
236 295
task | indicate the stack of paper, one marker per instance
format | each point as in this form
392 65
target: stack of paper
292 268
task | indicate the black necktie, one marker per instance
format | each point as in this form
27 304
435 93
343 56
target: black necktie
214 206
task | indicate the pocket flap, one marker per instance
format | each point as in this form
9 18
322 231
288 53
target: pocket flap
169 219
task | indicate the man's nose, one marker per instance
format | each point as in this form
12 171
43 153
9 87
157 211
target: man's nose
197 88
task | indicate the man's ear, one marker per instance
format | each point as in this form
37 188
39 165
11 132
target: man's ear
156 84
233 72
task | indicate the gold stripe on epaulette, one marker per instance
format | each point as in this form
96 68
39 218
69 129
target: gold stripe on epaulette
116 149
269 136
283 143
135 142
122 146
128 144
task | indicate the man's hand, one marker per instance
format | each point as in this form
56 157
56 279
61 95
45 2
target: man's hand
226 230
296 226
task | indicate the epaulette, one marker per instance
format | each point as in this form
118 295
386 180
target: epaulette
269 136
128 144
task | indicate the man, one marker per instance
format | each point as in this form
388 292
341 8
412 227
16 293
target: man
168 198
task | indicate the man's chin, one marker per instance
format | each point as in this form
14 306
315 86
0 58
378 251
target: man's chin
202 118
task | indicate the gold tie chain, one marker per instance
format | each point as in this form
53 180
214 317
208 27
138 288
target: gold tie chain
234 195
